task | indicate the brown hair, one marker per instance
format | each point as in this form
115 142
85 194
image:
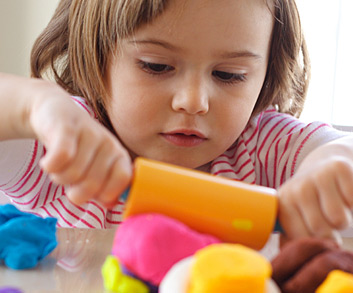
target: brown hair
288 71
82 34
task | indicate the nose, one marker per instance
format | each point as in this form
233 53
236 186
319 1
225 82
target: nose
192 97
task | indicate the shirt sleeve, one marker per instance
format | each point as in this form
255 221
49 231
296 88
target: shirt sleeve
284 143
271 148
21 178
17 158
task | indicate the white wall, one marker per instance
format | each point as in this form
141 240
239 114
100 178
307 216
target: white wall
328 29
21 21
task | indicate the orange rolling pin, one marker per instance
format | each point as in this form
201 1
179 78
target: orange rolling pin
231 210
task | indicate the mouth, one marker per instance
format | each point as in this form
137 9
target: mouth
184 138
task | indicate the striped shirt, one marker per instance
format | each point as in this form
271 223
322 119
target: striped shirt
267 153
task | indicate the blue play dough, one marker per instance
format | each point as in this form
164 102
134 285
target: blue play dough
25 239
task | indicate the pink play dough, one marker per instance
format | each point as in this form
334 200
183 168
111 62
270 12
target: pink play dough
150 244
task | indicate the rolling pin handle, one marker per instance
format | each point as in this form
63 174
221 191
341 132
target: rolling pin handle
125 194
278 227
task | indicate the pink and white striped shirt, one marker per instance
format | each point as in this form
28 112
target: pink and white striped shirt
267 153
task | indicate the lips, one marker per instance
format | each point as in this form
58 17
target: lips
184 138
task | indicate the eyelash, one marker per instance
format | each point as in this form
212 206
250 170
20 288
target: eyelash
147 66
232 78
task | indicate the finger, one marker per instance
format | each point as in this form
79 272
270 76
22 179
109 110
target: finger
289 215
118 180
94 178
345 182
295 254
61 150
77 168
311 212
334 209
99 172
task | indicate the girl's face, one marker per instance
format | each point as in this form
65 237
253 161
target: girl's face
183 87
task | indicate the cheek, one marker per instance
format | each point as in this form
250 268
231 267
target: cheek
133 111
233 118
234 121
134 100
126 114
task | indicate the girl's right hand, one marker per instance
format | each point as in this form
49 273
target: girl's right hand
80 152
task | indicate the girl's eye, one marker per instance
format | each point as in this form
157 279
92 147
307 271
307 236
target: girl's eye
155 68
228 77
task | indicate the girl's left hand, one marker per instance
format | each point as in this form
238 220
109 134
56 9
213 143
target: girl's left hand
318 199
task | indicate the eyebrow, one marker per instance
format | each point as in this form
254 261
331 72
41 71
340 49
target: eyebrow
224 55
239 54
157 43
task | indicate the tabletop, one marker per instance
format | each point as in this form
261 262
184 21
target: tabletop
75 265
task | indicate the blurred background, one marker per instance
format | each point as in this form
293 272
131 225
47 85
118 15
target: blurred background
21 21
328 27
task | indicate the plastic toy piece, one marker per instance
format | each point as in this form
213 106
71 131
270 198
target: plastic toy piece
230 210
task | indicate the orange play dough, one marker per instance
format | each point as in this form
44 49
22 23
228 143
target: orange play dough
229 268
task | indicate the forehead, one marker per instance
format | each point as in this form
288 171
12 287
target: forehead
214 23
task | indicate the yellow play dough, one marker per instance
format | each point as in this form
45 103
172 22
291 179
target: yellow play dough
337 282
115 281
229 268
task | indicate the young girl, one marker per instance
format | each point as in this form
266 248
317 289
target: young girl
210 85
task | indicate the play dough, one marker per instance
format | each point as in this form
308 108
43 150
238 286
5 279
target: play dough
303 264
232 268
25 239
116 281
337 282
148 245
